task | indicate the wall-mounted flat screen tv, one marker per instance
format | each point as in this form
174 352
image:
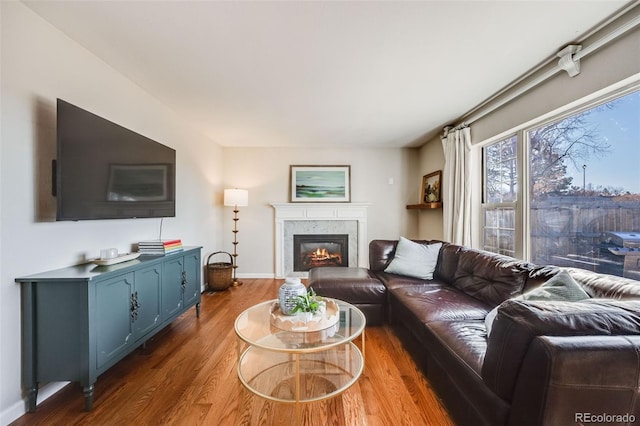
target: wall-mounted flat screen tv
104 171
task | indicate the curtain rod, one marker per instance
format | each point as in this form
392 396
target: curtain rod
484 108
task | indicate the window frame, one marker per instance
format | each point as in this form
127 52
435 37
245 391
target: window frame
501 205
522 204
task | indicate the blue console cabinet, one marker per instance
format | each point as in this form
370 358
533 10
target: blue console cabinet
79 321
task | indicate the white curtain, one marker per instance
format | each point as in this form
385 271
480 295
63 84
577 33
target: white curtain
456 191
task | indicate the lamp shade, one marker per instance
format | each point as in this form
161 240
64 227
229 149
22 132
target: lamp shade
236 197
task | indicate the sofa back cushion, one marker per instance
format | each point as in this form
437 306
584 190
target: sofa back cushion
540 275
519 322
489 277
606 286
448 262
450 254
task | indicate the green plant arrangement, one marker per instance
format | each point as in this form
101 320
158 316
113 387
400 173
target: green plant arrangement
308 302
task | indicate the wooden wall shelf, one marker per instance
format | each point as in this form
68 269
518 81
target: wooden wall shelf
424 206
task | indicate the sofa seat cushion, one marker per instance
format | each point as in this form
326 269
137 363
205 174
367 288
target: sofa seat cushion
439 302
353 285
458 349
465 339
456 378
392 281
357 286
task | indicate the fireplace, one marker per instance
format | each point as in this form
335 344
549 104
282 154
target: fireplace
317 250
319 218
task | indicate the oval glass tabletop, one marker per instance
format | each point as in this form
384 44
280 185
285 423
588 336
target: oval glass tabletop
254 327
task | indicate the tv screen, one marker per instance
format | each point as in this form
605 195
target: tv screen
104 171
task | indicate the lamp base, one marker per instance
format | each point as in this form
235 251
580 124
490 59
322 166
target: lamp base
236 283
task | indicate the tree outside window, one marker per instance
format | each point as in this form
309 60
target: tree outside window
583 189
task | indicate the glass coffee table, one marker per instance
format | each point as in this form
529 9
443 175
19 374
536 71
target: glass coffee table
299 366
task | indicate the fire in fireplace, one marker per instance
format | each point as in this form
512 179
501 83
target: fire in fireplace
316 250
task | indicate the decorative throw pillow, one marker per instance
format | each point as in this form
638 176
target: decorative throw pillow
560 287
414 260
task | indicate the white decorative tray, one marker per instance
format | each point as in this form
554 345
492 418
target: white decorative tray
297 322
119 259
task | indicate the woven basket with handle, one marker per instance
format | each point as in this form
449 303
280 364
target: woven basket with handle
219 273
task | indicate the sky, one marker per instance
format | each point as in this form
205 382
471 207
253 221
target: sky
620 128
320 178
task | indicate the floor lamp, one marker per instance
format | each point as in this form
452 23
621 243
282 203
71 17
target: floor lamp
236 198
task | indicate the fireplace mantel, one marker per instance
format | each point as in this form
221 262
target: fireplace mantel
320 211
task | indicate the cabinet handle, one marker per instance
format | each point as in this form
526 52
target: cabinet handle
135 306
183 284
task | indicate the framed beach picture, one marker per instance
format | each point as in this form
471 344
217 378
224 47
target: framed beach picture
430 192
324 184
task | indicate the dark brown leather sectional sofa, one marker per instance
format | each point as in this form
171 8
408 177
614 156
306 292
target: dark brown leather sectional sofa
544 363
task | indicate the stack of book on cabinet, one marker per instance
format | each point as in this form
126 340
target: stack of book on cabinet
159 246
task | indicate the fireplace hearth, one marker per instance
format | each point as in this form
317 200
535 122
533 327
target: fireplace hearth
318 250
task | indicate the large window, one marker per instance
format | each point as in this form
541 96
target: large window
580 203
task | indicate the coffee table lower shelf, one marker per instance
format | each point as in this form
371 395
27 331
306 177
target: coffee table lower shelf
294 377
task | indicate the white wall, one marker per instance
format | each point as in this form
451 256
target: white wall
265 173
603 68
607 66
39 64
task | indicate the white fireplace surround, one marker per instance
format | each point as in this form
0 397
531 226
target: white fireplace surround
319 212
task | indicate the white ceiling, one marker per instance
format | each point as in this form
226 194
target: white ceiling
331 73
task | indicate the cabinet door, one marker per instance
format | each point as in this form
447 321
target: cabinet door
146 295
113 314
192 278
172 288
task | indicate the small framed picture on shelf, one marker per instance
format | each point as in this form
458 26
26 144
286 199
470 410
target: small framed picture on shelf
321 184
430 192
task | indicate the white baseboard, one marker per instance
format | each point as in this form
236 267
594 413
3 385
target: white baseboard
19 408
257 275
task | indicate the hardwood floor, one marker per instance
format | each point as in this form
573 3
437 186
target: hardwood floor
187 376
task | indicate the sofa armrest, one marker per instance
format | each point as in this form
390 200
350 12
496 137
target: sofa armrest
519 322
571 379
380 254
